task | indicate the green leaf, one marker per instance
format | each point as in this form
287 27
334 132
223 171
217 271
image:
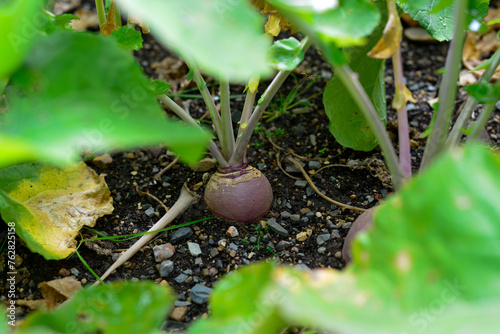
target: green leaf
90 96
128 38
437 17
343 23
116 308
64 20
243 302
484 92
222 37
405 276
20 22
159 86
286 54
50 205
347 123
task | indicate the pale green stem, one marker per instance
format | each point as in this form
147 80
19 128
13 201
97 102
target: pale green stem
101 12
403 129
245 116
244 139
227 139
184 115
118 18
482 121
207 97
448 89
470 104
351 82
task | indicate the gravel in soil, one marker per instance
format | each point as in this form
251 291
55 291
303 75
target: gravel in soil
301 229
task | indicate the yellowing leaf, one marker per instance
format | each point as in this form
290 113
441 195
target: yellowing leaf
110 25
391 39
273 25
253 83
402 97
49 205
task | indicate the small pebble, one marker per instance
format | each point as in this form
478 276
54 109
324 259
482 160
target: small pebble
322 238
194 249
214 252
285 214
232 232
150 212
295 218
335 234
181 235
199 294
74 271
179 313
302 236
322 250
314 164
166 268
163 252
64 272
276 228
301 183
181 278
338 254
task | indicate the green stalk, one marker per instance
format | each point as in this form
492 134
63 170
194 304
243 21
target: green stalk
227 139
243 140
351 82
470 104
207 97
118 18
101 12
448 89
481 122
184 115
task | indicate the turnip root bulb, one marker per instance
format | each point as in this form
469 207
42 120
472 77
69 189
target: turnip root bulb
240 194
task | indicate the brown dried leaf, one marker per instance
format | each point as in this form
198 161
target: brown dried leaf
59 290
391 39
87 20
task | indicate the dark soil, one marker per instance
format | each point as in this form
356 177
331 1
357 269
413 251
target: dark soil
302 130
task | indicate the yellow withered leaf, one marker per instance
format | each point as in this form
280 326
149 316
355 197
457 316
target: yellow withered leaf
391 38
48 206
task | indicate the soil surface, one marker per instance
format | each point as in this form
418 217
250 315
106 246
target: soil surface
301 228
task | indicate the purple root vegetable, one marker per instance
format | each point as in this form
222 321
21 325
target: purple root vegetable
363 222
240 194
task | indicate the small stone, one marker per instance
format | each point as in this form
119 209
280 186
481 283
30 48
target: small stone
322 238
150 212
302 236
194 249
322 250
314 164
199 294
276 228
179 313
179 303
282 245
18 260
302 266
232 232
134 172
130 155
181 278
84 281
292 168
102 161
214 252
74 271
155 151
300 183
335 234
212 271
64 272
418 34
252 239
222 243
166 268
347 225
304 211
295 218
312 140
163 252
181 234
232 253
338 254
285 214
310 191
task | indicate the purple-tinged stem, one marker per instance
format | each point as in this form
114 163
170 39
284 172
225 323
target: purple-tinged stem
403 128
183 114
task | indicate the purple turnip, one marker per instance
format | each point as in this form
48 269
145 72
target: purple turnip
239 194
